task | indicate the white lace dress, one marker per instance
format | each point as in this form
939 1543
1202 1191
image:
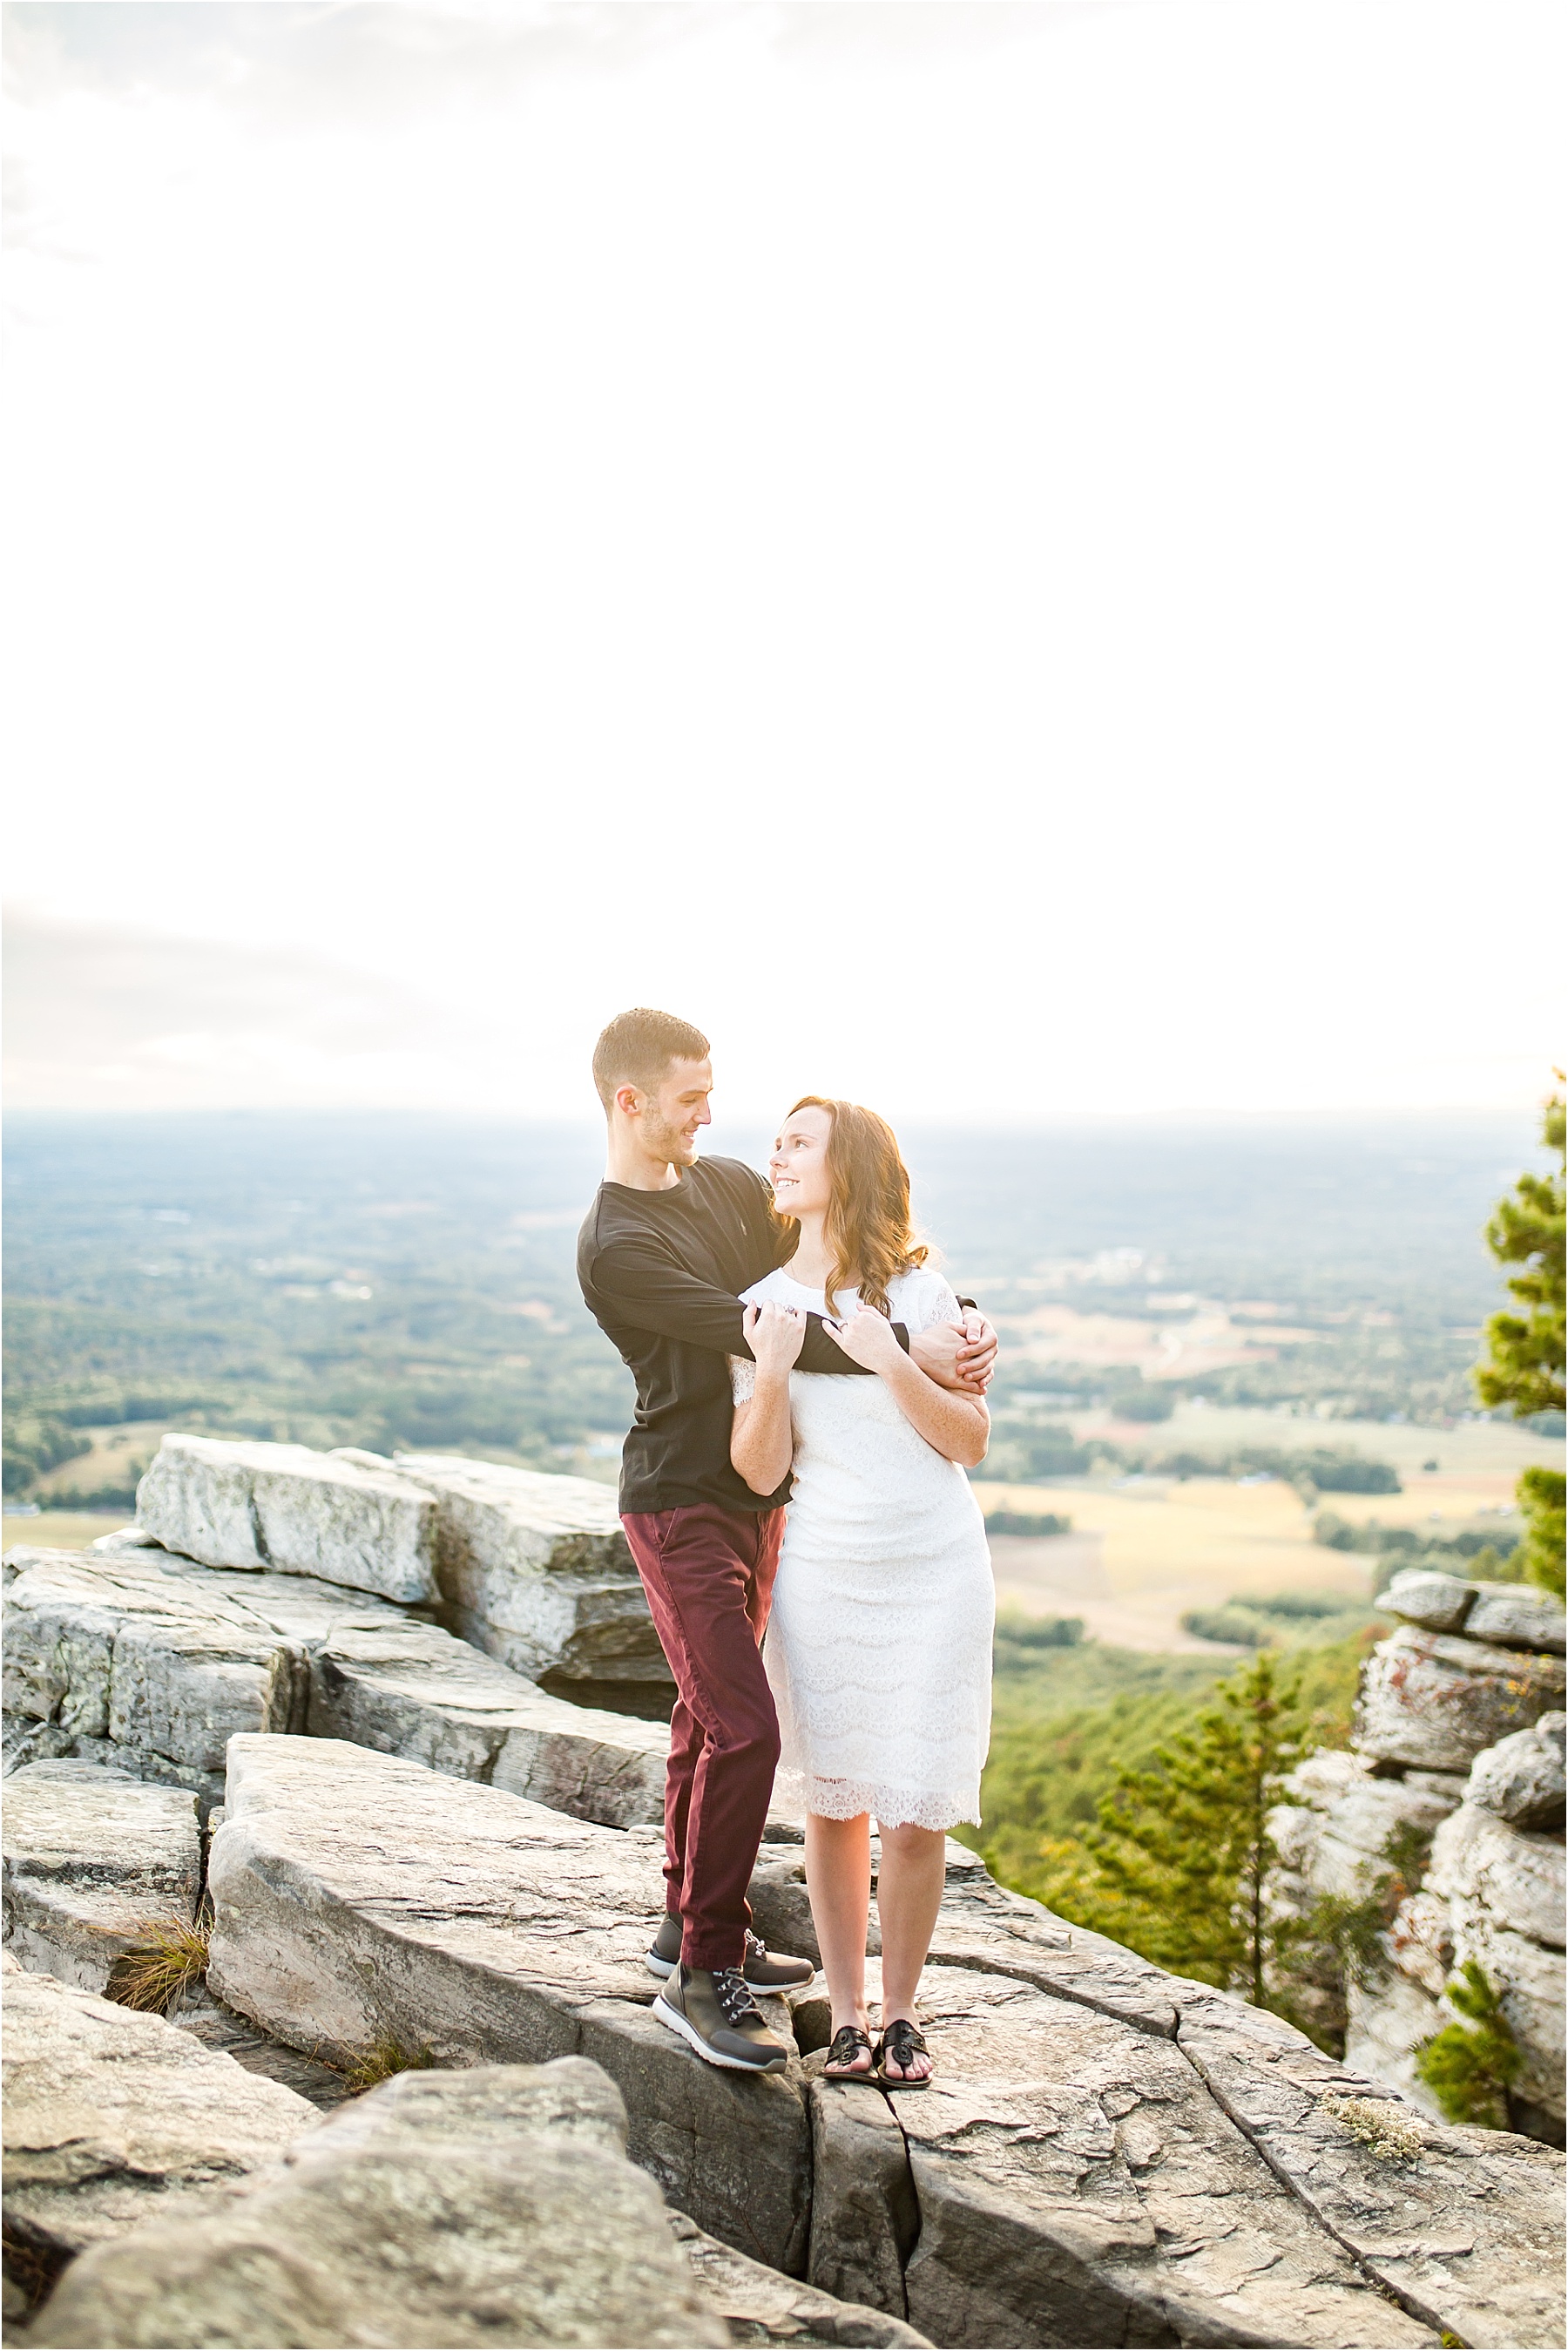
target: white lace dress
879 1649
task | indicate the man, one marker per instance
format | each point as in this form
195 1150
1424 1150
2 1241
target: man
664 1252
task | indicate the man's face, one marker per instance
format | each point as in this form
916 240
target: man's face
674 1116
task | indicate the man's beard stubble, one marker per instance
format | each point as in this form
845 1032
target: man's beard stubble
662 1140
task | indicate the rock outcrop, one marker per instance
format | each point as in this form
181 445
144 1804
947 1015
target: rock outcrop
420 1855
533 1569
91 1858
493 2206
112 2118
536 1571
1076 2175
1457 1750
362 1898
130 1657
284 1507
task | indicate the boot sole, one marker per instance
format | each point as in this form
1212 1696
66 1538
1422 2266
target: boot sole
688 2032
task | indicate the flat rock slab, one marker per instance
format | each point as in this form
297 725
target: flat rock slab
494 2206
1436 1700
286 1507
91 1859
984 1926
1468 2234
112 2118
414 1690
360 1897
536 1570
132 1664
133 1657
1077 2184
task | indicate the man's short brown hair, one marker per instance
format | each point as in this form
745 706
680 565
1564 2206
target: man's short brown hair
637 1047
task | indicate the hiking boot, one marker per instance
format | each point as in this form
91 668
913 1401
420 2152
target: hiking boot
764 1970
715 2013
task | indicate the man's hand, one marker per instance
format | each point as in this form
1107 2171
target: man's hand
957 1355
866 1338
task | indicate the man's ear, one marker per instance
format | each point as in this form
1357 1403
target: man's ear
627 1101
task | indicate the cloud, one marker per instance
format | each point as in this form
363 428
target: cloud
105 1018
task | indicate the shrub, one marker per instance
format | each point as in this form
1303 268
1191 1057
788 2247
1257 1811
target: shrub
1028 1522
382 2059
1040 1632
154 1973
1470 2067
1146 1403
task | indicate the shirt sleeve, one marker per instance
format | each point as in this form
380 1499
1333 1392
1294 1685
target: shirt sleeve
642 1284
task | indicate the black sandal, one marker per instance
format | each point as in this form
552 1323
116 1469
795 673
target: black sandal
901 2042
847 2044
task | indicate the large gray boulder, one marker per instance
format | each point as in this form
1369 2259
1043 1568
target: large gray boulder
1464 2229
112 2118
362 1899
1435 1700
1070 2178
1508 1616
91 1859
1516 1875
536 1570
412 1689
1077 2184
493 2206
130 1657
1521 1778
127 1665
283 1507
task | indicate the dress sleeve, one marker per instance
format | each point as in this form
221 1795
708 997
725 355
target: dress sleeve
743 1378
937 1302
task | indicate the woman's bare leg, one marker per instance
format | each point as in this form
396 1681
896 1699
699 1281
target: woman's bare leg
908 1896
838 1879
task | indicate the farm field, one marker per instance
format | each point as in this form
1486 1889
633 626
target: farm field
1143 1552
60 1530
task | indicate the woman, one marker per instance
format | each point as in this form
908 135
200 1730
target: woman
879 1648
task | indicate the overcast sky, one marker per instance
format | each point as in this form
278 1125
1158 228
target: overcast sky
994 556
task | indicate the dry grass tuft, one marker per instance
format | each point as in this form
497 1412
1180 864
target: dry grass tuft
1384 2128
154 1973
384 2057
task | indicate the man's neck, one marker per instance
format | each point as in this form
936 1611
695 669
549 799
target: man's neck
626 1162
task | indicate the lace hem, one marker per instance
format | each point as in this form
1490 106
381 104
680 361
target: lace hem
843 1800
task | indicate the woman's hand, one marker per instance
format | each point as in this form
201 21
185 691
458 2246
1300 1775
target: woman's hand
866 1338
776 1335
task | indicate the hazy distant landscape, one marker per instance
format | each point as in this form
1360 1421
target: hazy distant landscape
392 1280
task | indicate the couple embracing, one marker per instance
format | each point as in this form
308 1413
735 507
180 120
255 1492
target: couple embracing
792 1345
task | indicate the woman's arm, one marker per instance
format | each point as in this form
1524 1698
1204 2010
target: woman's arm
761 1440
958 1425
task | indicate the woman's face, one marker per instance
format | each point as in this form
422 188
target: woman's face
799 1166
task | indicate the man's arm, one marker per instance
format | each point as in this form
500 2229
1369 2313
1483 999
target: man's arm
643 1286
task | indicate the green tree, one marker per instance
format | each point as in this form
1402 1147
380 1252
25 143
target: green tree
1524 1361
1469 2068
1184 1849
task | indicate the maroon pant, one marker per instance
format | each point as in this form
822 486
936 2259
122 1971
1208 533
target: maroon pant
709 1576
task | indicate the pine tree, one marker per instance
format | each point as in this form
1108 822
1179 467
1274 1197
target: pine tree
1524 1366
1469 2068
1184 1848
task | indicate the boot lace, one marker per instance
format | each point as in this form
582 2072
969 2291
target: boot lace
733 1995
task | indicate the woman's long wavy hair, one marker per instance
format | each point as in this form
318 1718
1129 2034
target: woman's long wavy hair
869 1232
